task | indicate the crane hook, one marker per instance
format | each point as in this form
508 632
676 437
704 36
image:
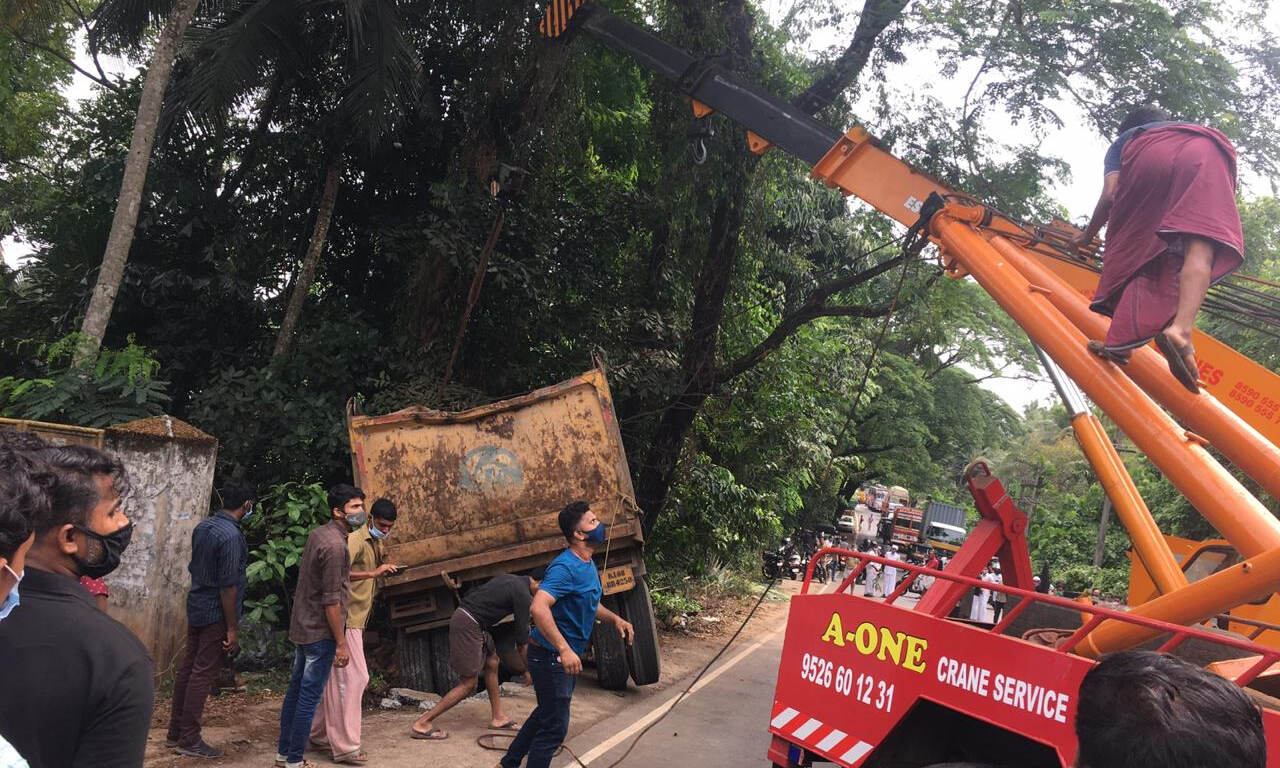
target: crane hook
699 151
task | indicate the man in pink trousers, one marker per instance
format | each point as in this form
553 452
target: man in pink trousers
336 727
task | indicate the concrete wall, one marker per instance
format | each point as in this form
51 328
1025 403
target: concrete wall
171 467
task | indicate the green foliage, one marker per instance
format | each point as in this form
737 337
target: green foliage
118 386
670 604
1113 582
276 534
603 252
714 521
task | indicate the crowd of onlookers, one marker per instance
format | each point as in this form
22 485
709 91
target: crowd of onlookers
78 685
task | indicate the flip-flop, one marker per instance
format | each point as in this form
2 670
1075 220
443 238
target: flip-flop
1103 351
435 734
352 758
1176 358
510 725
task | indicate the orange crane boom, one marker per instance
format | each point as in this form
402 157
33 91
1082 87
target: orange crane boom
1046 292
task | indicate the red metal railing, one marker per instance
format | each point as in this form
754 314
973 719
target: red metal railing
1097 614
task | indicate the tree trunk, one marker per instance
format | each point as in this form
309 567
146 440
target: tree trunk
324 214
698 361
699 365
96 317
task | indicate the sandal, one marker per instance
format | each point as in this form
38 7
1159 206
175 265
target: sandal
510 725
1177 359
435 734
352 758
1106 353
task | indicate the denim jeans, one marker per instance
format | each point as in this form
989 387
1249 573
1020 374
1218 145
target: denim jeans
311 666
544 730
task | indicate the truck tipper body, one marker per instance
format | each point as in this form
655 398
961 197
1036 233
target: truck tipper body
479 493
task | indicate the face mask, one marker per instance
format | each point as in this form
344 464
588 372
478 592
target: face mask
597 535
356 519
247 513
113 546
376 532
11 600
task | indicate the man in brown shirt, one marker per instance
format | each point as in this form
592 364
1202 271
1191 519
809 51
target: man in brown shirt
317 624
337 721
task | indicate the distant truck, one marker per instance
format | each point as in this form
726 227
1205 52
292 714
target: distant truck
479 492
907 527
943 526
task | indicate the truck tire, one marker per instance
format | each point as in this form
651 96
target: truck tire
611 657
414 652
644 658
441 673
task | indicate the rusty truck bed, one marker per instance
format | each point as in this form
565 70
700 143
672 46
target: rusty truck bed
485 485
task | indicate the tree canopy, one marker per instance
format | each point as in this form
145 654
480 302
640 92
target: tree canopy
769 346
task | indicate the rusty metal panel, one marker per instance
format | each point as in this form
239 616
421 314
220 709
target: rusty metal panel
492 478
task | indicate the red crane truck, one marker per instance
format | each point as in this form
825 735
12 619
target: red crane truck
864 682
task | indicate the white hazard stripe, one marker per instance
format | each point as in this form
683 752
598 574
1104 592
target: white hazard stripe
858 752
806 730
808 726
784 717
832 739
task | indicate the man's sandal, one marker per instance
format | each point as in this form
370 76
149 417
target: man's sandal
435 734
1106 353
1177 359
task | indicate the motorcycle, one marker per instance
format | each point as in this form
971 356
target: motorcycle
773 564
795 565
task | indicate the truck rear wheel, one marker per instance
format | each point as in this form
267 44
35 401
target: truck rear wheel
644 658
441 673
414 652
611 655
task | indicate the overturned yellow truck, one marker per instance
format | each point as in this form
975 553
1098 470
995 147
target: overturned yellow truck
478 493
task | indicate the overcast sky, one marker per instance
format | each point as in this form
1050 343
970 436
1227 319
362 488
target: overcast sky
1076 143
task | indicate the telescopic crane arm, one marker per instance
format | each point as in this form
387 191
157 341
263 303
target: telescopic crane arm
1047 296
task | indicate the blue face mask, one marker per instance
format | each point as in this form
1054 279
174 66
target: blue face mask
376 532
597 535
11 600
247 513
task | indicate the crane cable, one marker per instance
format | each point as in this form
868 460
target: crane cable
912 244
489 740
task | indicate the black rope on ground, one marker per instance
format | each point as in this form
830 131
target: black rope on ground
494 736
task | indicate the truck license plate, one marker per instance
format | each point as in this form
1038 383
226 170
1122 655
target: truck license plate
617 579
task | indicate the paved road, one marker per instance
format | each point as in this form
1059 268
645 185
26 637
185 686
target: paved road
720 724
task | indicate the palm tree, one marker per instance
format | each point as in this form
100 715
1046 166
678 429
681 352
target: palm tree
124 24
128 21
347 62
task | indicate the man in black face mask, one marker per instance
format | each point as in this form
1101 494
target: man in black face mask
81 682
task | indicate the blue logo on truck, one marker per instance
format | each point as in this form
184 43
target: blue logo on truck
489 468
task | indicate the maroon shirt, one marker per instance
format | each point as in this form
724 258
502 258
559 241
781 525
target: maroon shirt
324 578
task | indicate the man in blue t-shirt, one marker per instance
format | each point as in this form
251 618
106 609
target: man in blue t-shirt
564 610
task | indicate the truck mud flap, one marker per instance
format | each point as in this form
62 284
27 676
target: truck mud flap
644 657
610 652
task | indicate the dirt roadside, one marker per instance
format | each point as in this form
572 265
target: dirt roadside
246 725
